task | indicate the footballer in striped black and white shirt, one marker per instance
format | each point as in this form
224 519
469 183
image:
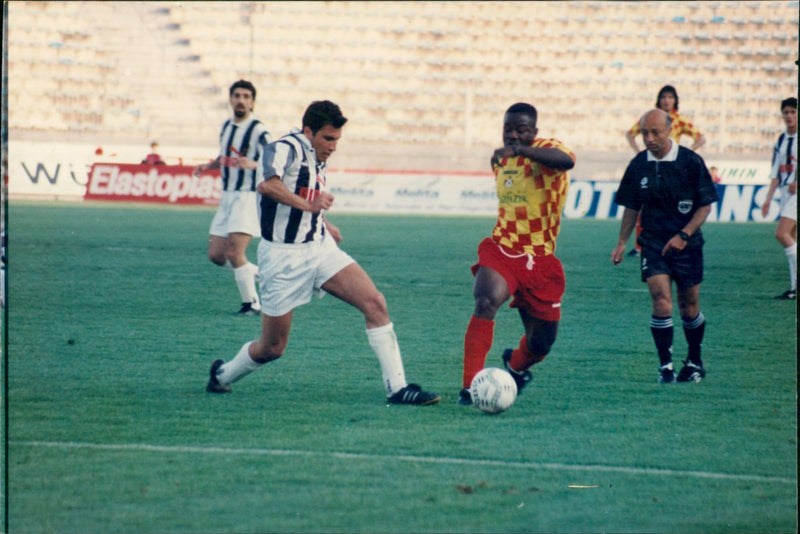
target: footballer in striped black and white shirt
783 178
299 256
242 141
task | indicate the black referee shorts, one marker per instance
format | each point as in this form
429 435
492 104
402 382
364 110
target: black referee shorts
685 267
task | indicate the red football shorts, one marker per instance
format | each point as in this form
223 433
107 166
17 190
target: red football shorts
535 283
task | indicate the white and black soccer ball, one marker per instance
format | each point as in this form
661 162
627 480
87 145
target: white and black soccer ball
493 390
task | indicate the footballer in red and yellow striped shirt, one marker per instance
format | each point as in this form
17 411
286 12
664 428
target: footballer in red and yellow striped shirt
518 262
531 198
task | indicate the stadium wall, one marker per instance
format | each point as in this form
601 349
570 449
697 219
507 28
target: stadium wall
84 172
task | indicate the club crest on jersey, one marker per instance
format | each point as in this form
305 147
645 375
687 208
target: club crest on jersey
685 206
643 183
509 181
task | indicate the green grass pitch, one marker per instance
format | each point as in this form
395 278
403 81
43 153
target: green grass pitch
115 315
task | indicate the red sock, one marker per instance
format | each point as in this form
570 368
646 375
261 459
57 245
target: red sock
638 233
477 342
522 358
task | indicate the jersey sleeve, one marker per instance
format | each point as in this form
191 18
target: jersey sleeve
278 158
264 138
558 145
706 189
627 193
262 141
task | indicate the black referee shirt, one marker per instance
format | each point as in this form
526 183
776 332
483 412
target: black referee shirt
668 192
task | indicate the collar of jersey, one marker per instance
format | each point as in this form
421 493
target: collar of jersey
672 155
298 133
243 123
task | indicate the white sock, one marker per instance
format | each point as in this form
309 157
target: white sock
228 265
240 366
245 281
791 257
384 343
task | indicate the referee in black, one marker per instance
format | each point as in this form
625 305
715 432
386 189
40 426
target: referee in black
672 188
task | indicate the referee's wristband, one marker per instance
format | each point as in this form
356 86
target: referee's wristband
683 235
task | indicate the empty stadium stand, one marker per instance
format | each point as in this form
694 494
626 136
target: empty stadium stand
406 73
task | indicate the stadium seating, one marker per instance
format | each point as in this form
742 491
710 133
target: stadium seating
418 73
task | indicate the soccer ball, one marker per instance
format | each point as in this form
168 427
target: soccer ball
493 390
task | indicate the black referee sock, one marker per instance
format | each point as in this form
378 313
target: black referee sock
662 330
694 330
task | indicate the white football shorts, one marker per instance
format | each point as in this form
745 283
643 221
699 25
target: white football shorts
788 204
237 213
289 274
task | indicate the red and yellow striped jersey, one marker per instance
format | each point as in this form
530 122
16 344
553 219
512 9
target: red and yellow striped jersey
531 198
680 126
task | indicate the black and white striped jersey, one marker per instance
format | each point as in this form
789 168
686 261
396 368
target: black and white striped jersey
247 139
784 159
294 161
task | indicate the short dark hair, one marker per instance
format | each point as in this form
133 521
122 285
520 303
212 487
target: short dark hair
322 112
243 84
791 102
522 107
667 89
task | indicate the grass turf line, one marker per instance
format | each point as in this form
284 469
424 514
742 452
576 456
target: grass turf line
145 311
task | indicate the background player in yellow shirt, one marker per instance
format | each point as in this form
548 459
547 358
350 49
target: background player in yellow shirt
519 258
668 101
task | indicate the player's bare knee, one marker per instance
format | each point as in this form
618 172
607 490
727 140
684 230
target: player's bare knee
486 307
216 258
784 237
662 306
540 346
541 342
375 309
267 352
235 257
689 311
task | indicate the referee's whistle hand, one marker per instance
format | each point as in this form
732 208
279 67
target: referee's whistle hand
676 243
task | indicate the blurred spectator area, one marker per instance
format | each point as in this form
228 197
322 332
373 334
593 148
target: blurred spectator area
412 73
